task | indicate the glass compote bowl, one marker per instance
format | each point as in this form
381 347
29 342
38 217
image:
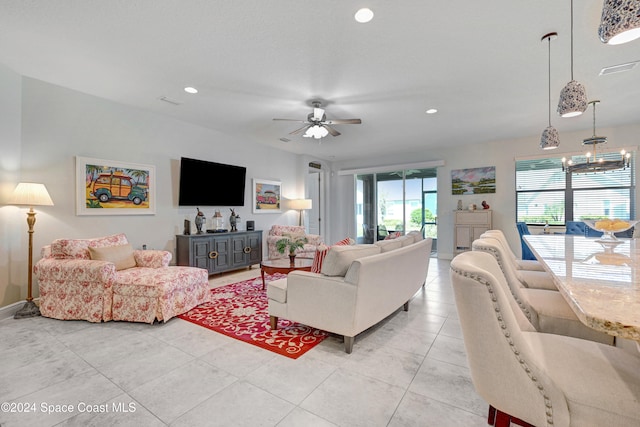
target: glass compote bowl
608 227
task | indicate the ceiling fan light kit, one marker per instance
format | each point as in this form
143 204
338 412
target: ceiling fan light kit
620 22
573 97
550 138
364 15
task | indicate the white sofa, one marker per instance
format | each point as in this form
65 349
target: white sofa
359 285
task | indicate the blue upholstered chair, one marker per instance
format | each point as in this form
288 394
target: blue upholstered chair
524 230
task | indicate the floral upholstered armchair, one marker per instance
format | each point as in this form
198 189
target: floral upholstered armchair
105 279
277 232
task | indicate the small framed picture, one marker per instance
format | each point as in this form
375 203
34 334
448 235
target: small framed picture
266 196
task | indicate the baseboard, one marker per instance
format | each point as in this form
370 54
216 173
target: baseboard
8 311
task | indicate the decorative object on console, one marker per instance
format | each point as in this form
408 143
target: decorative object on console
251 225
550 138
187 227
266 196
232 220
30 194
485 205
200 220
592 162
107 187
473 181
218 223
620 22
573 97
300 205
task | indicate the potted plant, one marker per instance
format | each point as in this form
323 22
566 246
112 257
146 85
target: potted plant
291 242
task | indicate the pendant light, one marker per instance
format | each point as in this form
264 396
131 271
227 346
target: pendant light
573 97
550 138
620 22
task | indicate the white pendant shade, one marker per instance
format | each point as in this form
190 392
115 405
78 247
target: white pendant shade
620 22
550 138
573 100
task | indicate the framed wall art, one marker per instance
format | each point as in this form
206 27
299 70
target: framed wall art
109 187
266 196
473 181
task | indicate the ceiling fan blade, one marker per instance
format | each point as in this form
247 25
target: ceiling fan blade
297 131
292 120
343 122
332 131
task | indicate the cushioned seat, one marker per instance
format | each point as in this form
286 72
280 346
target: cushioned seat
523 230
520 264
277 232
534 378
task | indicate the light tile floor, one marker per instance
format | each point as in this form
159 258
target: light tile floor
410 370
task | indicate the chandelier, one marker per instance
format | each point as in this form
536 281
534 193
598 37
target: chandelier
593 163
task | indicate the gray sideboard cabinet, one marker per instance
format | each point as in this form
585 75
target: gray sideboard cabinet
219 252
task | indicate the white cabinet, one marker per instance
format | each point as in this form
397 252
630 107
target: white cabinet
468 226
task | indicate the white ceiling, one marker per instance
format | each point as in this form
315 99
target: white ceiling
481 64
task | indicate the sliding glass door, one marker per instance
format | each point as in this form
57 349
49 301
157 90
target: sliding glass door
397 201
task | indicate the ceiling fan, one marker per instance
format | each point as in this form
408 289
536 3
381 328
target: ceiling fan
317 126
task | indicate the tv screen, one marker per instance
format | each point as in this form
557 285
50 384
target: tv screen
204 183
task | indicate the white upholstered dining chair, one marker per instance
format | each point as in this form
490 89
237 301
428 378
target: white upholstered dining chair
547 310
533 378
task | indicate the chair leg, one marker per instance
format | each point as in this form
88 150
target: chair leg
274 322
502 419
491 419
406 306
348 344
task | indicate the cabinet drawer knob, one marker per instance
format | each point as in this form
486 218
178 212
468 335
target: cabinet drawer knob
213 255
247 250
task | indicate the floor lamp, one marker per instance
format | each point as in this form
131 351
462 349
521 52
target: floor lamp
30 194
300 205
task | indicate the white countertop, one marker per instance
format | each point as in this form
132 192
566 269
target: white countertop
602 285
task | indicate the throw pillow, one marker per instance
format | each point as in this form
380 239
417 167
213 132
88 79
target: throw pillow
321 253
120 255
393 235
339 258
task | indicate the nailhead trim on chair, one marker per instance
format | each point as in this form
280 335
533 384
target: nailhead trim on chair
483 281
498 258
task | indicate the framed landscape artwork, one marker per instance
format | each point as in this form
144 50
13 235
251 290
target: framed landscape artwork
266 196
473 181
109 187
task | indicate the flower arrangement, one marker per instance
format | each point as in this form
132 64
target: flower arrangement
291 242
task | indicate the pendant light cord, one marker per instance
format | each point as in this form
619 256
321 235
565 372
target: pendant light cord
549 75
571 39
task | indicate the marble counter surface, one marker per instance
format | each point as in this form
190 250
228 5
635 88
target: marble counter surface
601 284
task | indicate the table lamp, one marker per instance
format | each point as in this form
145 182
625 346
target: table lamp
300 205
30 194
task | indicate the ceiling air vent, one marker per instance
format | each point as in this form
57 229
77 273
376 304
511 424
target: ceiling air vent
283 139
618 68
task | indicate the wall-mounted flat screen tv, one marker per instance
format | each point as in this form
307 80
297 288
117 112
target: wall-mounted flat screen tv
204 183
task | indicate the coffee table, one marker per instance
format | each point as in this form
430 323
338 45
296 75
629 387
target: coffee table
284 266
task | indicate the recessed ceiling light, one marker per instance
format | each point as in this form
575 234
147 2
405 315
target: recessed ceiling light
190 89
364 15
431 111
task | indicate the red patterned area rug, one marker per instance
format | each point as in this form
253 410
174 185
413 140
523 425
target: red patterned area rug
240 311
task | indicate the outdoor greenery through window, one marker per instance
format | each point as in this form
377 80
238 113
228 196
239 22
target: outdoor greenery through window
546 194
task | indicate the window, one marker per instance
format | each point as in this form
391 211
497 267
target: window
546 194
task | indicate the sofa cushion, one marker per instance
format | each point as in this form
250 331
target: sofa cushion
277 290
79 248
321 253
120 255
388 245
339 258
417 236
405 240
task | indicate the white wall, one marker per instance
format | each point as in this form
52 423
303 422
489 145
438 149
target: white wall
500 154
59 124
13 223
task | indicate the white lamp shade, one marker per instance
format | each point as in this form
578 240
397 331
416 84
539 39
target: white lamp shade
573 100
30 194
550 138
620 22
300 204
